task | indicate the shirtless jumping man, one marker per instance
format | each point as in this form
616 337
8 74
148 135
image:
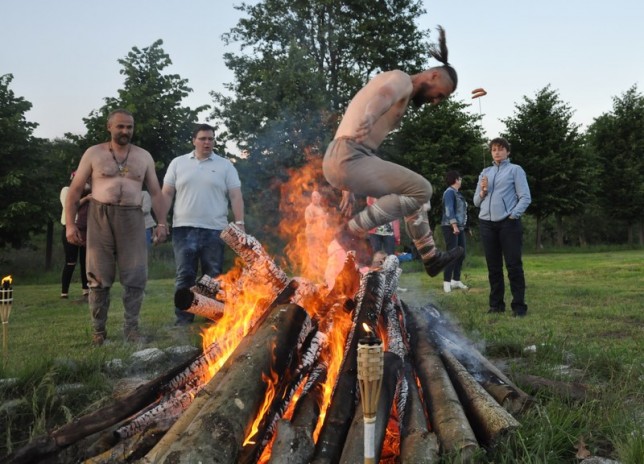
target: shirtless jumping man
116 229
352 165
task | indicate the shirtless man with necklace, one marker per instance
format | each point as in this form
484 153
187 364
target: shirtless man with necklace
118 169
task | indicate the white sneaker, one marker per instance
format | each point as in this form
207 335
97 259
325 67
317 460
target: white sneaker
447 287
459 284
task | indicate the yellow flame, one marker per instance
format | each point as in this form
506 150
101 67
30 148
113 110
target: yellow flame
7 279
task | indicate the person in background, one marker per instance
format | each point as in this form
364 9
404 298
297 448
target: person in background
201 184
150 223
453 224
503 195
352 165
117 169
385 237
74 253
315 218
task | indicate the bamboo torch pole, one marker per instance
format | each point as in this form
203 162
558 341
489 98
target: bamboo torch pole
370 367
6 302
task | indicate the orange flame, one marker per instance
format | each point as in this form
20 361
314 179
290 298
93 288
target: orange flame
7 279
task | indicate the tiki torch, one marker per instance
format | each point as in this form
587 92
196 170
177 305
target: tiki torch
6 301
370 366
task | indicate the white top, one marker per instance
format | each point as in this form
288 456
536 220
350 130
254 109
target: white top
201 188
63 197
146 207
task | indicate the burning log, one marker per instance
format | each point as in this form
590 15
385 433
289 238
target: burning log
284 392
251 251
131 449
445 411
227 405
490 420
418 445
294 439
354 445
343 402
186 299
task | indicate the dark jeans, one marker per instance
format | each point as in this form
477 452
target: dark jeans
73 254
382 242
194 245
453 271
503 240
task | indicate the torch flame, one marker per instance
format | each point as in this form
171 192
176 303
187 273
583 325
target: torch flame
7 279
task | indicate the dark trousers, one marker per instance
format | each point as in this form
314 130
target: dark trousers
503 240
453 270
193 246
73 254
387 243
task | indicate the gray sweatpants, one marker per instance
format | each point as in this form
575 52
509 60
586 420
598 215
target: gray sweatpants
116 235
400 192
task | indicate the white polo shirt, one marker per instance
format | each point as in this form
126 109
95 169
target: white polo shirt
201 190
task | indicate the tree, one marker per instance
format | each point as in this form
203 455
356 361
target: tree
617 138
306 61
547 144
24 176
162 125
437 139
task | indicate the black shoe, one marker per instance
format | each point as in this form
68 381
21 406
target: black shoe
520 313
442 259
495 310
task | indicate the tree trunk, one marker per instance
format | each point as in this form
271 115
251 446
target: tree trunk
50 245
537 234
560 230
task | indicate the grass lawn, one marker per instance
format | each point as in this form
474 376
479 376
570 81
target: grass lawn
585 322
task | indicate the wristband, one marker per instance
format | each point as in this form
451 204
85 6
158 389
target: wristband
241 223
162 225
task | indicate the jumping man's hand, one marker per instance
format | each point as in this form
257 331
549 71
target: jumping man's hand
346 205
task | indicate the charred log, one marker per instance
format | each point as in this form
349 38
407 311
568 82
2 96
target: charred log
97 421
574 391
489 419
294 439
343 401
353 450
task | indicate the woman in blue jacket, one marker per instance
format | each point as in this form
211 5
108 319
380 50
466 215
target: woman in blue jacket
503 195
453 225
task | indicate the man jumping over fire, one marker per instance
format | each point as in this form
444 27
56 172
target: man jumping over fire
352 165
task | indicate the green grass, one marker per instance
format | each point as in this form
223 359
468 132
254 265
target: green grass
585 312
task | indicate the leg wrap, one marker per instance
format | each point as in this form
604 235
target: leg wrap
420 232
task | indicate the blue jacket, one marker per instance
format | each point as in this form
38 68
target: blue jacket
454 208
508 194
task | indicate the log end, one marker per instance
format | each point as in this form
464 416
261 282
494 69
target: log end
183 298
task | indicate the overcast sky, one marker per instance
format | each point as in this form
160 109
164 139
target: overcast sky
63 53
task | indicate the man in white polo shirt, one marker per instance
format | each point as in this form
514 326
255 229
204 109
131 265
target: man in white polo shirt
201 183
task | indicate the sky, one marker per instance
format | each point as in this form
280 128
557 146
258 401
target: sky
63 53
